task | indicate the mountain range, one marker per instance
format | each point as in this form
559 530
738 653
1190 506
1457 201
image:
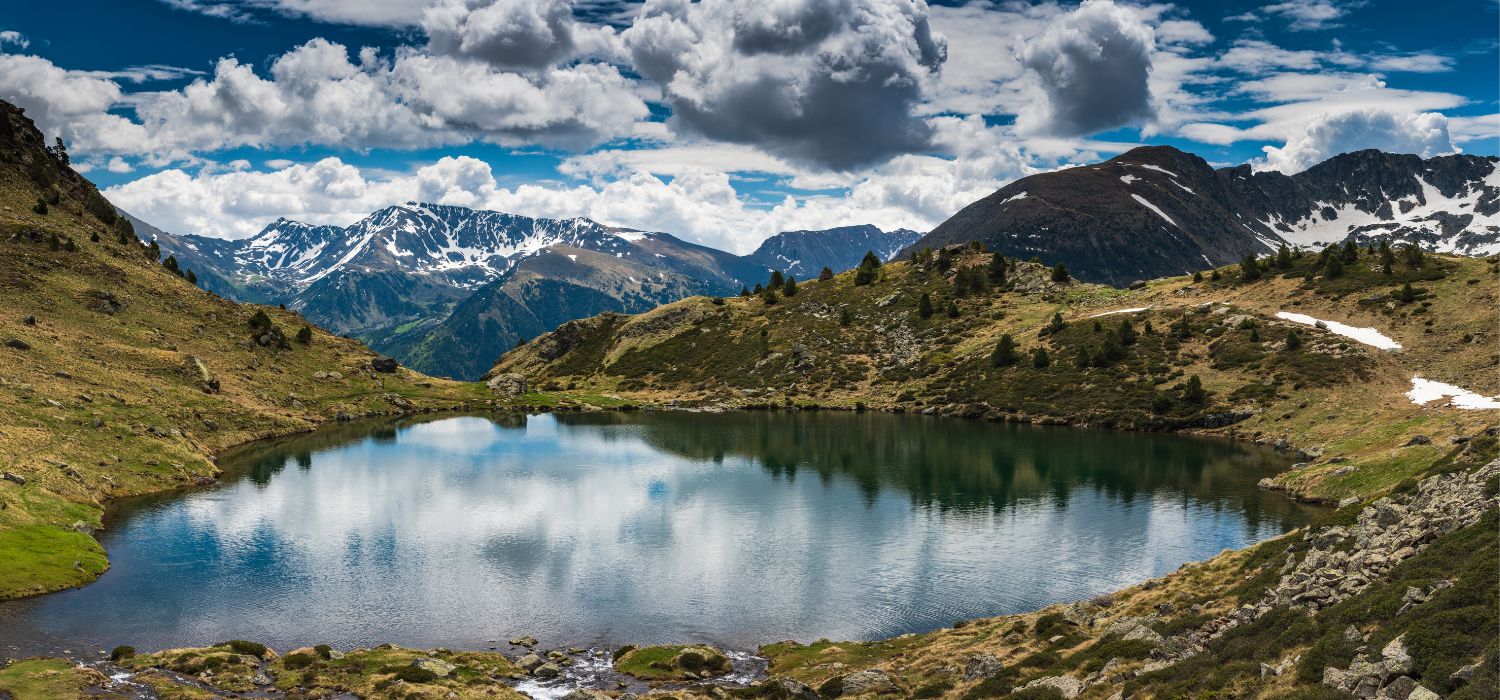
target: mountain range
1156 211
446 289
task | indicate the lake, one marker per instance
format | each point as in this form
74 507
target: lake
599 529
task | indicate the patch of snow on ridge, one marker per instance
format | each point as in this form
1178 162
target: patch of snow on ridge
1157 168
1137 309
632 236
1152 207
1425 391
1014 197
1368 336
1127 179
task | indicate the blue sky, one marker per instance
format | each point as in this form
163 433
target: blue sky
723 121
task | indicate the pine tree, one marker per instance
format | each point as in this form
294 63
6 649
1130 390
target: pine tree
153 252
1060 273
1414 256
1249 268
1039 358
192 277
171 264
1351 251
1147 329
1334 267
776 280
1283 257
259 321
1194 393
768 295
70 246
1387 257
1082 361
869 269
94 237
1197 276
1214 276
924 306
1004 354
997 269
1127 333
1293 340
54 243
845 318
790 288
952 309
304 335
40 207
759 288
1408 295
825 275
1254 334
745 292
1057 324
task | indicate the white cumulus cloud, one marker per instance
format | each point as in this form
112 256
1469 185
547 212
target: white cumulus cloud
1424 134
1093 70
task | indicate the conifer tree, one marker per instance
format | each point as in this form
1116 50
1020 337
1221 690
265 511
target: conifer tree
825 275
845 318
1004 354
1039 358
1249 268
1408 295
952 309
924 306
1060 273
790 288
776 280
997 269
1293 340
1283 257
304 335
1194 393
869 269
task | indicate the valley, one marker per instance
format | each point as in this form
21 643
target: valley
1368 372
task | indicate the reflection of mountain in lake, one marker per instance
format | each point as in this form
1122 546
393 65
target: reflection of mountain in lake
963 464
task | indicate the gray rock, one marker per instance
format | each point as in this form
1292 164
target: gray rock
1419 440
17 344
384 365
1395 656
443 669
586 694
1069 686
872 680
794 689
16 479
982 666
527 641
1420 693
530 662
507 385
1399 689
1466 672
547 671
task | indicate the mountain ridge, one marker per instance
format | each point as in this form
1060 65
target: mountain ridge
1157 211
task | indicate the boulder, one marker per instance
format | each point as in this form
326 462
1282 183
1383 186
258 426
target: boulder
1420 693
17 343
440 668
508 384
872 680
1395 656
982 666
1419 440
791 689
1069 686
16 479
1399 689
547 671
384 365
701 659
530 662
586 694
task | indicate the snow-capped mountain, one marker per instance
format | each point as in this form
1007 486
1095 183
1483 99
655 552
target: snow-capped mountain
1156 211
397 275
804 254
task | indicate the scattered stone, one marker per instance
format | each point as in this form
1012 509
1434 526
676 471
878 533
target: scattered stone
585 694
1069 686
507 385
1348 501
872 680
982 666
1395 656
441 668
792 689
547 671
1419 440
701 659
29 320
530 662
384 365
527 641
17 343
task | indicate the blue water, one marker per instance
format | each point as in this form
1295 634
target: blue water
602 529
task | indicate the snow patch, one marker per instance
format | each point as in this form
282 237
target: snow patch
1368 336
573 257
1127 179
1135 310
1152 207
1425 391
1157 168
1185 188
632 236
1014 197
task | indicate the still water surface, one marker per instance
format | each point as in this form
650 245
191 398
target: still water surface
602 529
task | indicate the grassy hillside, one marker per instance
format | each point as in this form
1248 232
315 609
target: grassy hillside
840 344
118 377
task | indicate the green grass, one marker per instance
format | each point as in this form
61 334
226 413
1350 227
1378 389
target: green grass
39 558
42 679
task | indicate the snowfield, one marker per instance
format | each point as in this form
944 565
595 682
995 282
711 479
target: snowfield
1425 391
1368 336
1121 311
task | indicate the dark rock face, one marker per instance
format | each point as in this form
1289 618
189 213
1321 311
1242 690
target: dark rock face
1157 211
803 254
384 364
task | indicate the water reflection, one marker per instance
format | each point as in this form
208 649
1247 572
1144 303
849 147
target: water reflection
734 529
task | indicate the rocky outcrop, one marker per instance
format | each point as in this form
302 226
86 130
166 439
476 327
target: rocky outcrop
507 385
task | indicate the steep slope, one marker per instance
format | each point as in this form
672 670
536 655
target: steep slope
1157 211
118 377
803 254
